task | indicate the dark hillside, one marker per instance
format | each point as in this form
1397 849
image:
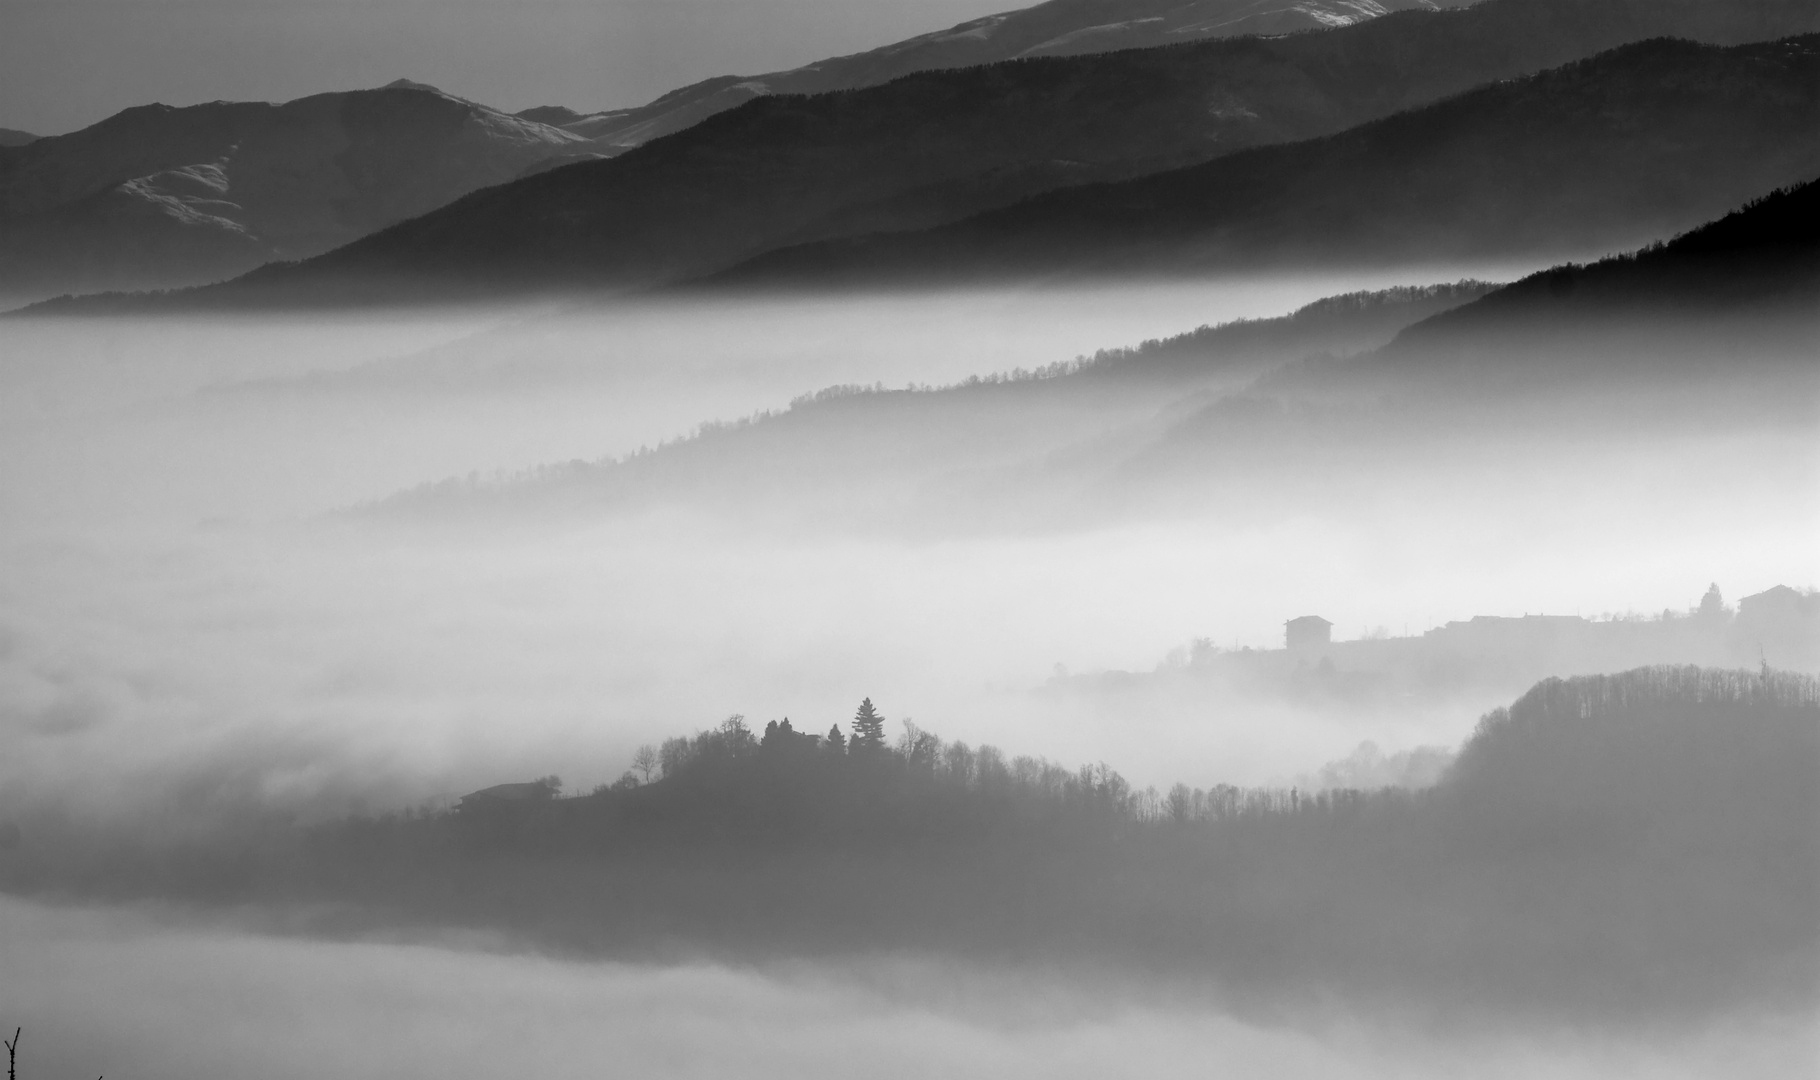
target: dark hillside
1735 296
1713 331
1763 256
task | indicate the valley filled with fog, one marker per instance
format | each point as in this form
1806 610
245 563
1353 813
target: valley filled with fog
1121 537
266 570
200 582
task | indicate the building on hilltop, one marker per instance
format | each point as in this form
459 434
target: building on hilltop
1307 632
1780 602
1781 626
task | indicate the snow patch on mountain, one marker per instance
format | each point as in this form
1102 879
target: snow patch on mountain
1326 15
500 125
190 196
1074 37
1304 15
974 30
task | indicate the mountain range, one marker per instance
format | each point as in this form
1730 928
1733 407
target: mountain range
161 197
1643 141
938 146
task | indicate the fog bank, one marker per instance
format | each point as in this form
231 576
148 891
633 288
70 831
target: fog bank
184 633
126 994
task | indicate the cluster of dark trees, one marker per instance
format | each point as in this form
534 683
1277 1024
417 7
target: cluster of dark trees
787 783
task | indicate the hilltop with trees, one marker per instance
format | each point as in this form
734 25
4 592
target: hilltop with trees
1624 844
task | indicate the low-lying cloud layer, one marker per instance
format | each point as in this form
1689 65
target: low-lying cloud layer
132 995
182 632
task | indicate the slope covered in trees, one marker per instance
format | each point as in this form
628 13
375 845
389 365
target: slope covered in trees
1731 303
1627 845
860 447
1761 258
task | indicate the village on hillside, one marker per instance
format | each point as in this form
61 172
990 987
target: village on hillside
1778 628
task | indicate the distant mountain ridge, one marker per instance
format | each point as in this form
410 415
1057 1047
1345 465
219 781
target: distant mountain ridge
152 216
1646 140
1056 28
936 146
159 196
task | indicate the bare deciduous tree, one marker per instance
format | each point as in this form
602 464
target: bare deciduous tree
12 1056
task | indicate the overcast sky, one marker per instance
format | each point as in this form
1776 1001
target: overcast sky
65 64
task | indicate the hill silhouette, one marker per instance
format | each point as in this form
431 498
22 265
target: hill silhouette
1765 254
1710 333
935 146
1606 153
1722 305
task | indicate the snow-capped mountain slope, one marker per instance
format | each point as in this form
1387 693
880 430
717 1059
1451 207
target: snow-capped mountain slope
163 196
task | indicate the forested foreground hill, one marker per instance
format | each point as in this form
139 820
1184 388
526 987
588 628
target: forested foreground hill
1612 846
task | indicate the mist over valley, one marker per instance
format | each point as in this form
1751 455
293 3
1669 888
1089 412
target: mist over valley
1189 537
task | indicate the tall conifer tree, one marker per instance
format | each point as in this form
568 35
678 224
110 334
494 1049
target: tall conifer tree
868 728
